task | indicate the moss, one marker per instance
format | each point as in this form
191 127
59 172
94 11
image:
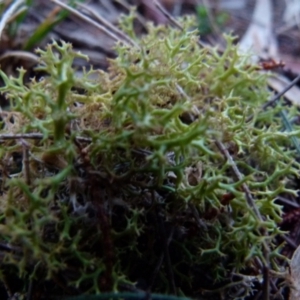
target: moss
125 181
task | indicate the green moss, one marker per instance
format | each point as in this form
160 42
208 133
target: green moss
127 172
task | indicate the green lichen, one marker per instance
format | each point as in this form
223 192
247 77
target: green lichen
127 183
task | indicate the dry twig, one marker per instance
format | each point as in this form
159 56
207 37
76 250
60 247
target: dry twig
265 267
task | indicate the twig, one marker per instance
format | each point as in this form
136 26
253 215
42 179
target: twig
290 241
36 136
26 171
239 176
12 136
288 202
266 250
274 99
277 96
266 283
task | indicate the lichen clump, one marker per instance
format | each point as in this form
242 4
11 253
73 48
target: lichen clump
122 178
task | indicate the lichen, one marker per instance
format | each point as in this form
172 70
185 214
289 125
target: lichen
123 181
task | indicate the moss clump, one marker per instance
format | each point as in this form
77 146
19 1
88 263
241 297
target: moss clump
130 178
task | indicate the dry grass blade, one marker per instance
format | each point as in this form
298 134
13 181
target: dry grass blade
91 22
167 15
20 54
108 25
8 14
139 17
